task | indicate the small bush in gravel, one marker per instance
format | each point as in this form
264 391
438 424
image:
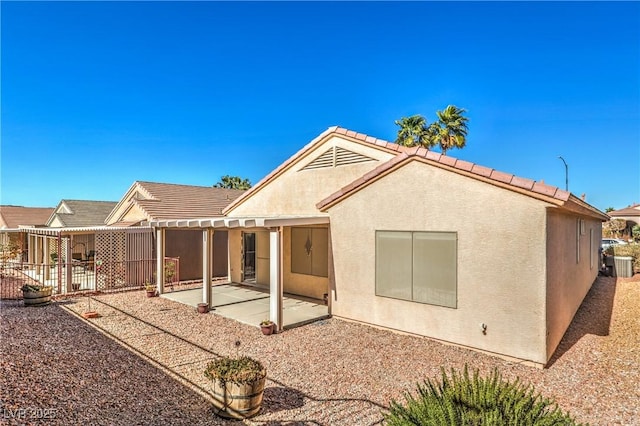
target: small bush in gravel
34 287
241 370
632 250
464 400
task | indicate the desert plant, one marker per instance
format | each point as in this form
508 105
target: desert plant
34 287
9 250
632 250
464 400
241 370
169 271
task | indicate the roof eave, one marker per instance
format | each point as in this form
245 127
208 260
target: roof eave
307 149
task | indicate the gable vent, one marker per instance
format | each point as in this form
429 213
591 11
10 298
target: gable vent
337 156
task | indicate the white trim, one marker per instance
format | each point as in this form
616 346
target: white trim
66 230
241 222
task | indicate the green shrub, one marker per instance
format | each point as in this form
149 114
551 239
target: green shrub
235 370
464 400
632 250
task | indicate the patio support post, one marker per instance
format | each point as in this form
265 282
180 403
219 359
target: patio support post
30 245
160 260
69 262
207 236
275 278
38 250
46 259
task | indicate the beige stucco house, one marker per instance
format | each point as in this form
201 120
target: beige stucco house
13 217
414 241
147 201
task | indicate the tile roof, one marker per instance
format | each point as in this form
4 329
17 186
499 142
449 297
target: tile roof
627 211
83 212
13 216
334 130
536 189
174 201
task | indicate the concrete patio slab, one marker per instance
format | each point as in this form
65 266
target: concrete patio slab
251 305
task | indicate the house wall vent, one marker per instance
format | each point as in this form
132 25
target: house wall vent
337 156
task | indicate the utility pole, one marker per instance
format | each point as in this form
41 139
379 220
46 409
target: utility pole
566 174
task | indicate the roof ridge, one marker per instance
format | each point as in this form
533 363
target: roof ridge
184 184
338 130
537 189
88 201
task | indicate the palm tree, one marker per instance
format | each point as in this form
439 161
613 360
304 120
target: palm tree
451 128
413 131
233 182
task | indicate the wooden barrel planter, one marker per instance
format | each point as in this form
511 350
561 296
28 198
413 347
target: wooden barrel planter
237 386
238 401
40 297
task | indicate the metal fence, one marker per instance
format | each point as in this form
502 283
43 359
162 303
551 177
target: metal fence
76 276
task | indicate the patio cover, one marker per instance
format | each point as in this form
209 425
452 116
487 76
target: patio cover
72 230
208 225
241 222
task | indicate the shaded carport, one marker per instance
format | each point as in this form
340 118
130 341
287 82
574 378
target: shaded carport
277 302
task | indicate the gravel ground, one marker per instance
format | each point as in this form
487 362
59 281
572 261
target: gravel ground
141 362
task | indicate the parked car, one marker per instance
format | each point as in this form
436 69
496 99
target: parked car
608 242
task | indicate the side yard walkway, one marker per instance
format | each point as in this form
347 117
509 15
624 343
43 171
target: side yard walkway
141 362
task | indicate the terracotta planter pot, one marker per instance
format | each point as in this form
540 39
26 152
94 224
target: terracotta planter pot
151 293
238 401
267 329
203 308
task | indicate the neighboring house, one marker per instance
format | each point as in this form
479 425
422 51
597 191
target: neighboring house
147 201
77 213
408 239
631 215
12 217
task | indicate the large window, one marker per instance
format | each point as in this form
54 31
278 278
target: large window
310 251
417 266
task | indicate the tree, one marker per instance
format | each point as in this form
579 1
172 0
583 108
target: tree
233 182
450 131
413 131
614 227
635 232
609 209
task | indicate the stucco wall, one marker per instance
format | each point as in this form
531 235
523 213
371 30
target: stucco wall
134 214
297 191
303 285
568 280
300 284
501 259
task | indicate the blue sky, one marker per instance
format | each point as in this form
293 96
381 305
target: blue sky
96 95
